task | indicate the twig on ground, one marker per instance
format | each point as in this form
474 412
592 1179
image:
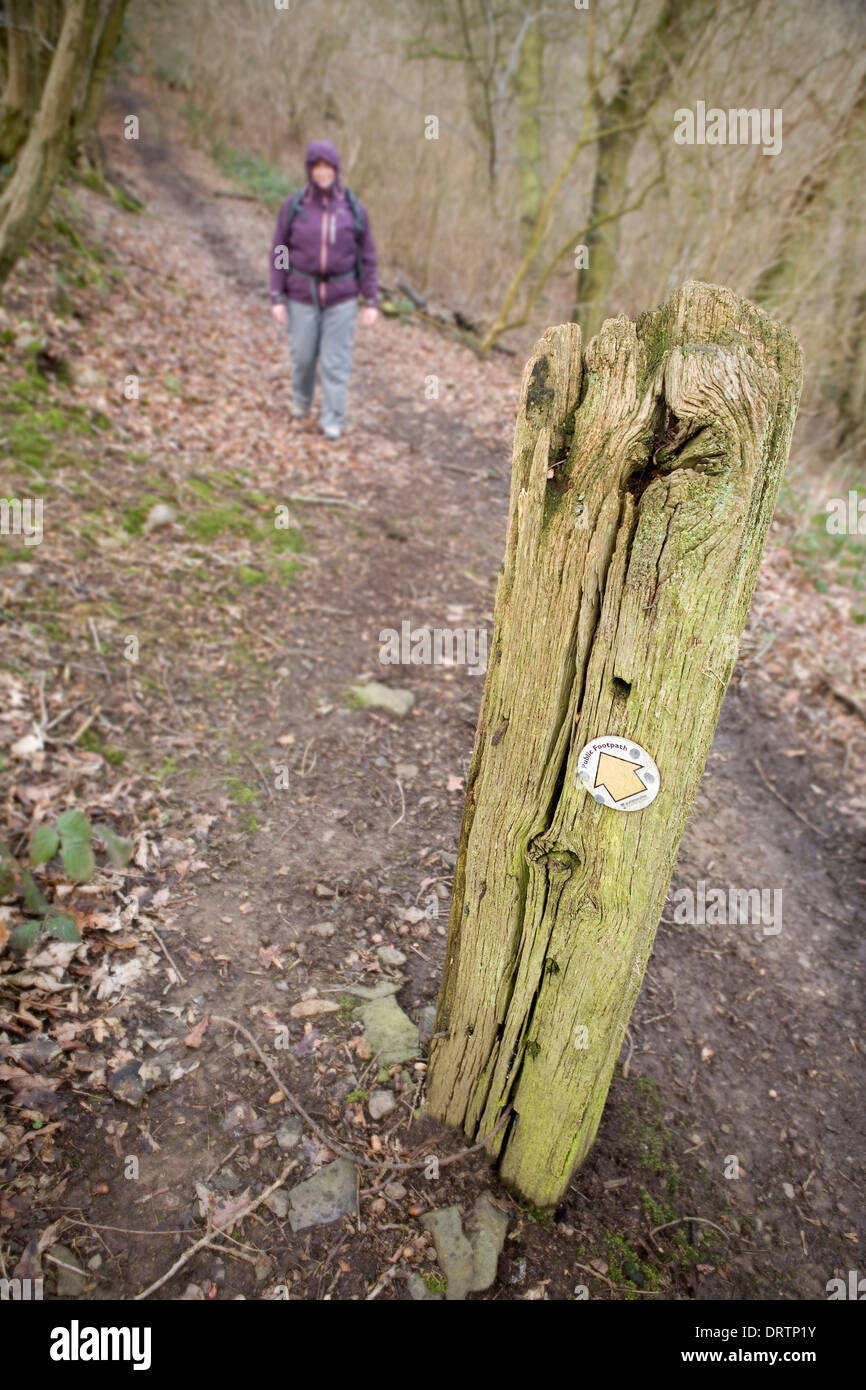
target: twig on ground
82 729
843 696
392 1272
212 1235
332 1254
618 1288
127 1230
332 1143
64 714
223 1161
779 797
147 926
402 814
704 1221
269 791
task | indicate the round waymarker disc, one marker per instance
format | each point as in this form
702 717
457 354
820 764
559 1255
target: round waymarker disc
618 773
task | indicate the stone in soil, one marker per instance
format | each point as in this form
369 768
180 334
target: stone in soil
323 929
126 1083
380 1104
468 1260
426 1022
374 694
70 1281
486 1227
328 1195
391 1034
389 955
278 1203
377 991
289 1132
453 1250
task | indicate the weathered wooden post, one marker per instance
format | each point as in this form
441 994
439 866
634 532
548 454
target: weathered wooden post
644 480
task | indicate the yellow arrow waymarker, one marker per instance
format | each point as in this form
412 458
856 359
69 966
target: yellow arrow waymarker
618 777
618 773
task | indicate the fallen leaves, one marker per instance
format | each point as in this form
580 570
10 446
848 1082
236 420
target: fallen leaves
195 1036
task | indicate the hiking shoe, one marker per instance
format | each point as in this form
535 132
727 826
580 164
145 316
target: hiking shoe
331 432
298 413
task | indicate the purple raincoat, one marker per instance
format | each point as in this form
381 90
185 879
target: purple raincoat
322 243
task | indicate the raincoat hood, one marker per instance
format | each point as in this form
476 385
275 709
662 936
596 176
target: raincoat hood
322 149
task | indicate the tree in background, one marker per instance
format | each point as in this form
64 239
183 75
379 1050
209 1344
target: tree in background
529 95
639 79
555 132
29 33
57 56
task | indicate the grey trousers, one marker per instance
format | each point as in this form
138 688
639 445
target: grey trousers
322 336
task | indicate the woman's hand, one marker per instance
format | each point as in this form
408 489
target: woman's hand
279 313
371 313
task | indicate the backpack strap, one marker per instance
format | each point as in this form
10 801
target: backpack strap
355 207
294 208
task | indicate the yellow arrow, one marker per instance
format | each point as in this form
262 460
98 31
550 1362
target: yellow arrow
618 777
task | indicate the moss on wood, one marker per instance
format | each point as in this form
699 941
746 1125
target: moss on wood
620 617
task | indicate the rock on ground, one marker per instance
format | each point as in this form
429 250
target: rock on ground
289 1132
327 1195
453 1250
379 696
389 1031
380 1104
468 1259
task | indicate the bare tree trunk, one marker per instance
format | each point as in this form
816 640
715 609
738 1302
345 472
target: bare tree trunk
106 45
609 188
643 486
32 27
810 208
529 84
45 148
662 52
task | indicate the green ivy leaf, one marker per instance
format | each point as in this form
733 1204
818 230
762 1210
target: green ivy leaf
76 833
77 859
62 928
44 843
32 895
25 935
8 871
119 850
72 825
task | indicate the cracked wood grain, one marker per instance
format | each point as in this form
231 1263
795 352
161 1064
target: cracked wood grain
626 582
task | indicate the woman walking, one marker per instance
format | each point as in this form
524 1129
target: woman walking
323 256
